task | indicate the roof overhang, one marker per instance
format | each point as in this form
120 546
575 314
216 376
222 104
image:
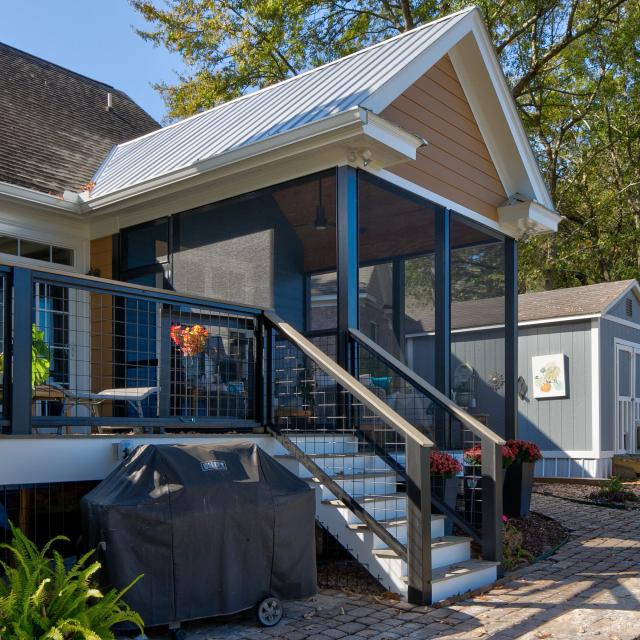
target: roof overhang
524 218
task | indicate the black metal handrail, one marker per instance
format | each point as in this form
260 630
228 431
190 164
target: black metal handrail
490 536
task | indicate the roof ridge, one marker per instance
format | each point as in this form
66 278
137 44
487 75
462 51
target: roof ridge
48 63
581 286
303 73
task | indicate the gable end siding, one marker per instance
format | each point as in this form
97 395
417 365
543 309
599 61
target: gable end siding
455 163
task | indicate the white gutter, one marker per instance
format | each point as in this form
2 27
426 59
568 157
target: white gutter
16 193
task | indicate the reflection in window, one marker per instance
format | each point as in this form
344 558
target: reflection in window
145 245
376 305
477 322
323 302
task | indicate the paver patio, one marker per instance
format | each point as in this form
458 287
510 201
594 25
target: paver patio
589 589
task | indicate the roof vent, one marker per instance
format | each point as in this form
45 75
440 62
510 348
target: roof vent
109 101
628 307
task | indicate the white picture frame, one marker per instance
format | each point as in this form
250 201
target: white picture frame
549 376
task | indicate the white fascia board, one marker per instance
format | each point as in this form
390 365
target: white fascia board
504 136
596 444
448 37
404 143
527 218
17 193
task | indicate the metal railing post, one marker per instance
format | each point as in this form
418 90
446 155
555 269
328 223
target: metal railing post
259 374
19 366
492 502
268 373
418 523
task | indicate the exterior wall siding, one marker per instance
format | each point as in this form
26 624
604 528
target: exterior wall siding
557 424
619 310
609 331
455 163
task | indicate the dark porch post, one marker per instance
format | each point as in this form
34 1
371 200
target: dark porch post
347 262
443 302
20 360
511 338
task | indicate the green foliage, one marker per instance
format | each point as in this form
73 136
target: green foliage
40 358
41 600
514 554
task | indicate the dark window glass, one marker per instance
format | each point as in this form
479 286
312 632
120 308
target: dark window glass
35 250
477 321
324 299
9 245
145 245
60 255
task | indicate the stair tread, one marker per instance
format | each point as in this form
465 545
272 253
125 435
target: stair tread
382 473
368 498
435 517
459 569
437 543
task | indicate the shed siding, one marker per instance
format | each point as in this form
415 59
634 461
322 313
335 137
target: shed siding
619 310
557 424
609 331
455 163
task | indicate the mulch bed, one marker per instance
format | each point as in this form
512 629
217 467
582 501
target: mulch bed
586 493
540 534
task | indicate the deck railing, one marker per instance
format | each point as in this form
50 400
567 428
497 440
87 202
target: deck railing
85 355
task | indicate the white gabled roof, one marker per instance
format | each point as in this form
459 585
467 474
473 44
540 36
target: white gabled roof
330 96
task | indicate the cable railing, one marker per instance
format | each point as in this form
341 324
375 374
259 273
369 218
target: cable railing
361 451
86 355
472 500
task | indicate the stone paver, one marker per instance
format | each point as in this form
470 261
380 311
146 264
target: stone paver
589 590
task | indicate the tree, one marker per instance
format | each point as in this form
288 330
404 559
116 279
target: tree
572 65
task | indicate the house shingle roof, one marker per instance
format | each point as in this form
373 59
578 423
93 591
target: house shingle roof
55 130
544 305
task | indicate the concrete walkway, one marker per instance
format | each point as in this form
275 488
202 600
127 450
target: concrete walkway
590 589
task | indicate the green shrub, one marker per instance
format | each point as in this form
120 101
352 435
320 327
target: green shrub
614 491
41 600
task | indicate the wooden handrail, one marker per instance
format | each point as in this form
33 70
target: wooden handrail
460 414
392 419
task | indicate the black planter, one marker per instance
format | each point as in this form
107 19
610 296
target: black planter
446 490
518 484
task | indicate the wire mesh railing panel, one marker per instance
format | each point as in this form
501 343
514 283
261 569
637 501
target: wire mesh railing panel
104 361
349 443
456 478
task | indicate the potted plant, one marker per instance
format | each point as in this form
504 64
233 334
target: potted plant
473 481
518 478
444 483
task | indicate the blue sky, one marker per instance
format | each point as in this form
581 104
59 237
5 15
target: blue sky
95 38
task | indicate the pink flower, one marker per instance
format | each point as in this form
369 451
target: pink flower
505 519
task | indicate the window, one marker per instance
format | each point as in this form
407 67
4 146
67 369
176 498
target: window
145 245
36 250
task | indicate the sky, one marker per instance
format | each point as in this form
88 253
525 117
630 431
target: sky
94 38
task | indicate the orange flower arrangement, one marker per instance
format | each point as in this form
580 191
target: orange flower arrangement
190 340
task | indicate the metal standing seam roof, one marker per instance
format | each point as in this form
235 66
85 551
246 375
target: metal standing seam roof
333 88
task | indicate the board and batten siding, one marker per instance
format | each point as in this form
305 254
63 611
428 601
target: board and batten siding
557 424
609 331
455 163
619 310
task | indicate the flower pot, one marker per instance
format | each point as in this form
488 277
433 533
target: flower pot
518 484
446 490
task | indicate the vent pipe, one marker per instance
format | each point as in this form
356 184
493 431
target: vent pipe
109 101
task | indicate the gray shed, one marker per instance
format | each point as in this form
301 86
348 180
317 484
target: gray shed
579 370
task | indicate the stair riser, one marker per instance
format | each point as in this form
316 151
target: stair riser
440 557
359 488
313 445
399 532
336 466
383 509
444 589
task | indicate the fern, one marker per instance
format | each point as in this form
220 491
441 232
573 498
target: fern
41 600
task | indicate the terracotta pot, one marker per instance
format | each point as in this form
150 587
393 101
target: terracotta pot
518 485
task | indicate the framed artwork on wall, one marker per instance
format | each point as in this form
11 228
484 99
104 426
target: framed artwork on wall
549 376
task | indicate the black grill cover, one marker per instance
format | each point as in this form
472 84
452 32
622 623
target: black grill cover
214 529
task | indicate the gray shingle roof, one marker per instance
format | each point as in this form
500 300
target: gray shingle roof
55 130
558 303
